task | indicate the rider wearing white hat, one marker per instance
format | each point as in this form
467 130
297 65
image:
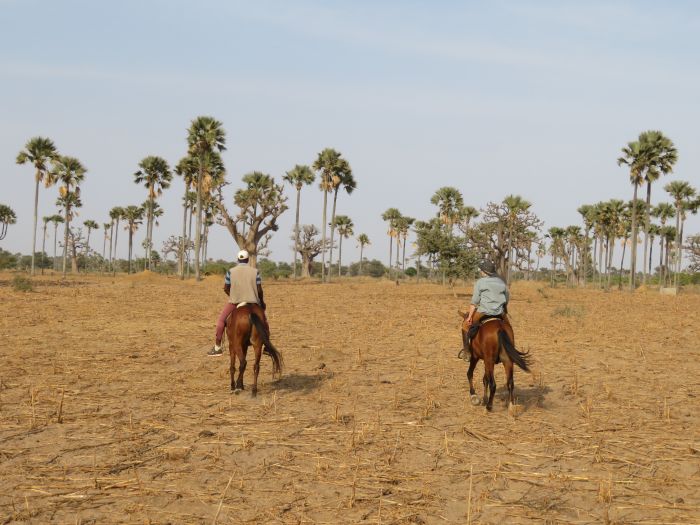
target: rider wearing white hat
242 284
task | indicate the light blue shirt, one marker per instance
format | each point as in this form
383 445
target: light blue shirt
490 295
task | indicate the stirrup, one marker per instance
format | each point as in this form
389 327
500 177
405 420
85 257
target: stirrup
463 354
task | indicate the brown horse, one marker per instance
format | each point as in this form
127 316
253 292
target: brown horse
244 327
494 343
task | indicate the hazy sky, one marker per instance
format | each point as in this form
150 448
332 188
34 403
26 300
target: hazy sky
524 97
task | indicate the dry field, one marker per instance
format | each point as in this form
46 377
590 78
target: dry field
110 411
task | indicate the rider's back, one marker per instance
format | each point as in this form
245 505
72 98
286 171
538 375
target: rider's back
244 284
491 295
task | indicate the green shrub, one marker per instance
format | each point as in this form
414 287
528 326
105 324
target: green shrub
22 284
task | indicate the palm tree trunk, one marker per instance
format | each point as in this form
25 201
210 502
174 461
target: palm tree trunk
43 251
361 249
622 261
55 243
633 254
398 242
678 244
131 235
104 251
296 232
403 255
651 250
662 266
183 241
611 242
391 251
198 231
65 241
36 215
323 236
87 242
330 258
116 237
189 237
340 255
646 231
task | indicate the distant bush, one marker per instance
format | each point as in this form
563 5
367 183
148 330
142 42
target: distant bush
373 268
7 260
568 311
411 272
22 284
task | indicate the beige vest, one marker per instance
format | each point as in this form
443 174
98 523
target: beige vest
244 288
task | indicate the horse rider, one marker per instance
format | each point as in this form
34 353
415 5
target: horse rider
490 299
243 285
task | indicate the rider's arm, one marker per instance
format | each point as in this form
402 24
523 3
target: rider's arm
476 298
472 309
258 283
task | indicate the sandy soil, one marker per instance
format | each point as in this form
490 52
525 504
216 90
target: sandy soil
110 411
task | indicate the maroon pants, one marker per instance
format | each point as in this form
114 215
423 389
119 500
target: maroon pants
221 321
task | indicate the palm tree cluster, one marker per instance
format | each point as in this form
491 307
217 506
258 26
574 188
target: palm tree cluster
7 217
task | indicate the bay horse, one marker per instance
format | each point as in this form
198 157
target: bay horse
494 343
244 327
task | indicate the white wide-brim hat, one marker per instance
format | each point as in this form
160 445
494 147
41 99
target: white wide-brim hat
243 255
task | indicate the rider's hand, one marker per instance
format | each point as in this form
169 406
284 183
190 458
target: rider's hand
469 319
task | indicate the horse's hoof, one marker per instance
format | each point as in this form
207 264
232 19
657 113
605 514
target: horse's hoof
237 391
254 393
475 400
489 408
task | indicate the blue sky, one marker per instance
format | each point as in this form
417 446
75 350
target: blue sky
524 97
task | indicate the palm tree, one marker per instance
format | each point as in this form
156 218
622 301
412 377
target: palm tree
133 215
449 202
345 180
90 225
345 230
155 175
116 214
392 215
466 214
636 156
403 226
107 227
588 213
682 193
654 231
187 169
39 151
56 219
205 136
329 164
70 173
363 240
45 220
661 156
299 176
7 217
664 212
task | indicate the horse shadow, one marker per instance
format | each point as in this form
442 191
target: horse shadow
302 383
526 396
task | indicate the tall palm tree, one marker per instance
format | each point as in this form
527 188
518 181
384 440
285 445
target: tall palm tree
155 175
362 240
514 204
187 169
587 213
116 214
450 203
299 176
7 217
39 151
345 230
70 173
56 219
329 163
90 225
403 226
661 157
45 220
466 214
133 215
664 211
654 231
392 216
107 227
636 157
205 136
345 180
682 193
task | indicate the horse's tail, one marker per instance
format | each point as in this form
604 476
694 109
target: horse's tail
269 348
522 359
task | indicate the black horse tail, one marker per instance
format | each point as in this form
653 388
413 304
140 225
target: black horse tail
522 359
269 348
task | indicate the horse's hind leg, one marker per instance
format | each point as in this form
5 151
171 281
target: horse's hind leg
508 365
241 368
470 377
232 368
257 346
489 384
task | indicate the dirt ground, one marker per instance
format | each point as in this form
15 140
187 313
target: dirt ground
110 411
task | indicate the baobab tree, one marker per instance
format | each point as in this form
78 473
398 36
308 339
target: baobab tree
309 248
260 205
